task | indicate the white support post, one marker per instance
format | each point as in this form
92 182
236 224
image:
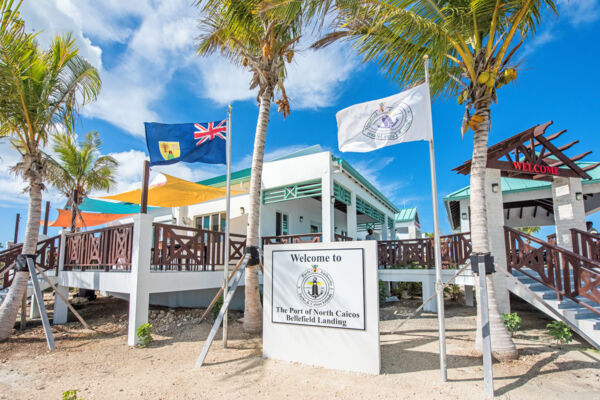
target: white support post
384 229
60 307
327 214
351 217
34 310
139 296
568 211
494 205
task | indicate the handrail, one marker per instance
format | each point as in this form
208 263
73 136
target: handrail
110 250
47 258
567 273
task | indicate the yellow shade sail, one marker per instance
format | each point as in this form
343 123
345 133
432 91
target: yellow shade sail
174 192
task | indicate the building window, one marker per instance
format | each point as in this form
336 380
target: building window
281 224
214 222
314 229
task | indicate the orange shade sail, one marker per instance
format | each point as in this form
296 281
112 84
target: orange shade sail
89 219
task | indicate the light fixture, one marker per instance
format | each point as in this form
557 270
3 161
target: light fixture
301 218
465 216
578 196
242 210
494 188
332 199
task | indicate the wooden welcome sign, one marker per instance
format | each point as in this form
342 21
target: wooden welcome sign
531 155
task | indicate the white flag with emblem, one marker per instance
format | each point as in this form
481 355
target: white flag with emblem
404 117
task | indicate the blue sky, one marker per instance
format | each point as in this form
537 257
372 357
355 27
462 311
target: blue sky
144 51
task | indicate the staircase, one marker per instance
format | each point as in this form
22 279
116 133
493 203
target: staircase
562 284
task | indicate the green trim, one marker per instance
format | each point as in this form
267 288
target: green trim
376 226
367 209
221 180
390 223
292 192
342 194
406 215
346 166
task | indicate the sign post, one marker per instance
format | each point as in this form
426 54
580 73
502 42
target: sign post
321 305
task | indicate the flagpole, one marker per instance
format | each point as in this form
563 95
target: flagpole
436 240
227 217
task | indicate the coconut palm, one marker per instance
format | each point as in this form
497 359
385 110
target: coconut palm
261 37
472 46
39 90
79 168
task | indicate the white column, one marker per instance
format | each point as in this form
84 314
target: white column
568 211
495 220
34 311
384 230
428 290
139 295
60 307
351 217
327 215
465 225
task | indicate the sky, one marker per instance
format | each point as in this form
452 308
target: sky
144 51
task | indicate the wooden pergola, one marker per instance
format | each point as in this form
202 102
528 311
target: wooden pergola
531 155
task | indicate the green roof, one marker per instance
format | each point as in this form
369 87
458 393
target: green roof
513 185
406 214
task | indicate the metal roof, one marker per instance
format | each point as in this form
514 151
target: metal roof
406 214
513 185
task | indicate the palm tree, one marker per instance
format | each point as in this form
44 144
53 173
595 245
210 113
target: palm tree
472 45
39 90
261 37
80 169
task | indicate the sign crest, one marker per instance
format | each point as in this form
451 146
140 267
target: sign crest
315 287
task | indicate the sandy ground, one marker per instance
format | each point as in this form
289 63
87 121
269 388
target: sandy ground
100 365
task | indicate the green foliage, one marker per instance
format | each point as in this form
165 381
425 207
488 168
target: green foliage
454 291
144 335
560 332
512 322
79 168
217 307
70 395
382 292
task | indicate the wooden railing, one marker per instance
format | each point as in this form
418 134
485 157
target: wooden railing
47 258
586 244
456 250
285 239
342 238
107 249
179 248
568 274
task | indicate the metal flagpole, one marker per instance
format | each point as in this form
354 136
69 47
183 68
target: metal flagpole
438 248
227 217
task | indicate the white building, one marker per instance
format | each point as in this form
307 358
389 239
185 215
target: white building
407 224
307 192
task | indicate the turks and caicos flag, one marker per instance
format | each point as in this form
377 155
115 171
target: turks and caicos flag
203 142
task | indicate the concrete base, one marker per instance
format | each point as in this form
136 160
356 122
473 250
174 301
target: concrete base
427 279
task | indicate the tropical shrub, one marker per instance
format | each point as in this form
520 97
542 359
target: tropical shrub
144 335
560 332
512 322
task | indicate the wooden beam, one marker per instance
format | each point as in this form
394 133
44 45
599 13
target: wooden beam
571 164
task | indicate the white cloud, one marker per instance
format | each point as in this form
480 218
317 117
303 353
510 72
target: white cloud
579 11
538 41
159 42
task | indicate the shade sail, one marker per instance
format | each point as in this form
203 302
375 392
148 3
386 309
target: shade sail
174 192
89 219
108 207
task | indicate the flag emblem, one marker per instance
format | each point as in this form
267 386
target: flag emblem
389 122
208 131
169 150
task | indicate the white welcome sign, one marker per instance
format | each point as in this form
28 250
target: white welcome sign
321 305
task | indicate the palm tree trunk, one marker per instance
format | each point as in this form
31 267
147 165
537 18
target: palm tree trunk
503 347
252 305
12 302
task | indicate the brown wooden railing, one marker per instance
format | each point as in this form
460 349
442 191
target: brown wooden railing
568 274
456 250
586 244
551 238
285 239
342 238
47 258
179 248
107 249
